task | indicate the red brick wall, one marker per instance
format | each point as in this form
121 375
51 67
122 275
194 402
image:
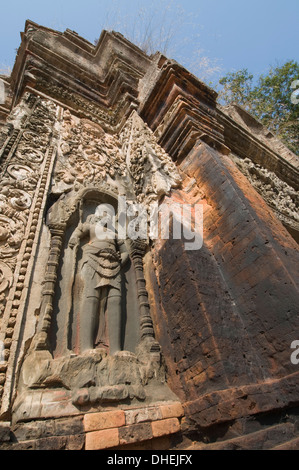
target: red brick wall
226 314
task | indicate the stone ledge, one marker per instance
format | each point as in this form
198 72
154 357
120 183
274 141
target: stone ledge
115 428
247 400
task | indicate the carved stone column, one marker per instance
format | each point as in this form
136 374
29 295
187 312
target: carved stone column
137 251
41 339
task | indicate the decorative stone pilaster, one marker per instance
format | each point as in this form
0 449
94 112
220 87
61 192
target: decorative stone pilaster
137 251
41 339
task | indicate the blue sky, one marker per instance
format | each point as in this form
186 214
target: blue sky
209 37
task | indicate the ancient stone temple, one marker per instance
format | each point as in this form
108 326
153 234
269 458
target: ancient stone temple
119 331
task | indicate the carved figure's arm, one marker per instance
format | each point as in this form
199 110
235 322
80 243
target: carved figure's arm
123 252
78 233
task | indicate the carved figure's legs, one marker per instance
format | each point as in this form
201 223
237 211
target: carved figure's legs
89 309
89 318
114 317
98 306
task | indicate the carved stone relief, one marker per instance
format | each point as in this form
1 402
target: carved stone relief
25 165
133 161
92 111
151 169
94 315
280 196
87 155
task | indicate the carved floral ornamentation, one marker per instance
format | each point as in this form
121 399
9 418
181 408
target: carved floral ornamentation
25 166
280 196
152 171
133 159
87 155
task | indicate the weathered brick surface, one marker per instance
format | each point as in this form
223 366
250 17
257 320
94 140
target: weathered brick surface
293 444
135 433
233 403
265 439
104 439
143 414
165 426
98 430
61 443
4 432
76 442
228 320
45 428
72 426
158 443
104 420
174 410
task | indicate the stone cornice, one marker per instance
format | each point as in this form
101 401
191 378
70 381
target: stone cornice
180 109
70 69
247 144
182 112
103 82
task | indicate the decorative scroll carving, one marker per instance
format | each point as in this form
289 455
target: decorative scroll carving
91 110
22 187
280 196
6 276
133 161
150 167
87 155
